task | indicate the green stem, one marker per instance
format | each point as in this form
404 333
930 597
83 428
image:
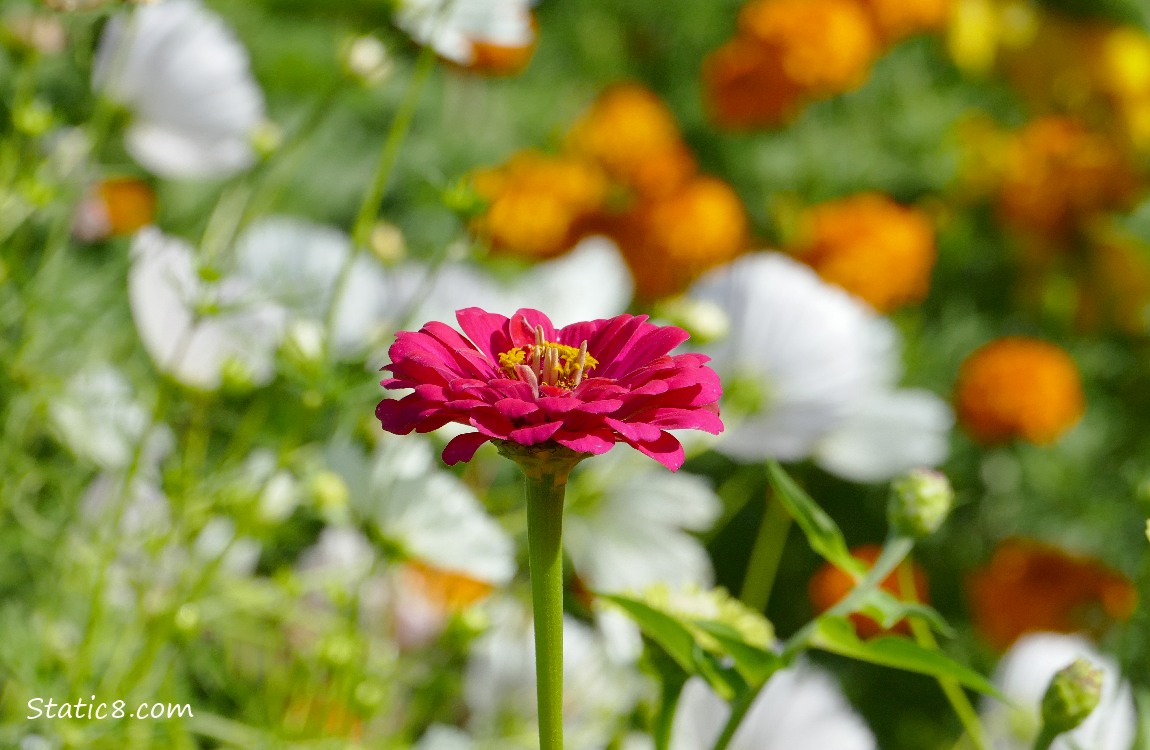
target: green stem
738 710
1045 739
950 687
893 553
763 565
545 551
545 471
673 683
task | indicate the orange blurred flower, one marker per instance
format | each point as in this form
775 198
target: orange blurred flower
115 207
633 136
1058 174
872 247
824 46
1017 387
1029 587
537 203
744 86
669 242
898 19
450 590
499 60
830 584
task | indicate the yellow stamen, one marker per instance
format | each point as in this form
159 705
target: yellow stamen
551 363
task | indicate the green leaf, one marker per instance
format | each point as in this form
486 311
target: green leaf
671 634
711 649
888 610
754 663
822 532
836 635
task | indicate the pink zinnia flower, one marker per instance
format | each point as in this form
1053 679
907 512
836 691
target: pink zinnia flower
585 387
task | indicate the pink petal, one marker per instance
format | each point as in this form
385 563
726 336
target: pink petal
590 442
463 447
634 432
514 408
523 323
666 450
651 343
487 330
535 434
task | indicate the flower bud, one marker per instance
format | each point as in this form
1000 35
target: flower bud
365 59
387 243
920 501
1072 694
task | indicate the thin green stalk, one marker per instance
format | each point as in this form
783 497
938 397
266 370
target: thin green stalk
672 691
763 565
950 687
1045 739
545 471
893 553
738 710
545 551
361 230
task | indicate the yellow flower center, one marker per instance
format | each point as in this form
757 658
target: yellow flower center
547 362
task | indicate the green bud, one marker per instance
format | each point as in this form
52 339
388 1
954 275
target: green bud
1073 693
920 501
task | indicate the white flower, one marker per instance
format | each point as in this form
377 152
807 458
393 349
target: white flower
627 524
588 283
801 707
296 264
98 417
817 370
341 557
426 512
1023 675
499 686
186 79
194 329
891 432
453 27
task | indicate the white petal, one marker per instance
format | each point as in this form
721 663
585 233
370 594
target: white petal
892 432
98 417
1023 675
164 290
801 707
812 350
627 524
297 263
187 80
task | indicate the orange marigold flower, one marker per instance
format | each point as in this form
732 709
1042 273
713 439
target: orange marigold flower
898 19
669 242
1029 587
633 135
825 46
1017 387
1058 173
871 246
537 203
830 584
745 86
